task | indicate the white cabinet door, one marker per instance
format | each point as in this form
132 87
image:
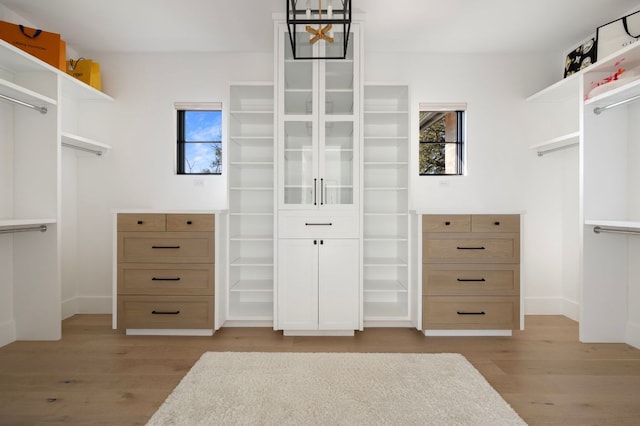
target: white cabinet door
318 284
297 284
338 288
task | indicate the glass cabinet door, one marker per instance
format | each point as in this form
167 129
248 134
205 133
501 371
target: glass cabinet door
336 185
299 164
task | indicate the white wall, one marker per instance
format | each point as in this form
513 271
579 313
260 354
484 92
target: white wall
140 126
139 173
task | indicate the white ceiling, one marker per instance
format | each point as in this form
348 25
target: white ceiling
480 26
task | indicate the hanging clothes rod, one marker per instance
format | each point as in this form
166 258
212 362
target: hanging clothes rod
598 110
43 110
599 229
81 148
547 151
41 228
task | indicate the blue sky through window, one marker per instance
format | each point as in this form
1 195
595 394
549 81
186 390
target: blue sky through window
203 134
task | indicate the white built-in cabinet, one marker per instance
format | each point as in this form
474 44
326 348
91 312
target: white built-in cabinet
318 273
31 189
250 218
389 298
605 128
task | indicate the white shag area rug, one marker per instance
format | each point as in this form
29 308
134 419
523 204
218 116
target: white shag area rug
257 388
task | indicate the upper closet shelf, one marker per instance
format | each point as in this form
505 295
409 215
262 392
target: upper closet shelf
24 95
555 144
84 144
16 60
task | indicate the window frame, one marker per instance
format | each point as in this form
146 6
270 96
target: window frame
181 142
461 140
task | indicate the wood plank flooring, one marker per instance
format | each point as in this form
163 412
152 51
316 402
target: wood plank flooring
97 376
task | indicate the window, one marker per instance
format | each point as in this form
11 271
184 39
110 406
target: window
199 139
442 134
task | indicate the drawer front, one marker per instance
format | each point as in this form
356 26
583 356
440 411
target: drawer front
159 279
446 223
165 312
471 248
167 247
495 223
190 222
471 279
292 225
141 222
470 313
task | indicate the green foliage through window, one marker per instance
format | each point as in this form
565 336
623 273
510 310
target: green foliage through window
441 143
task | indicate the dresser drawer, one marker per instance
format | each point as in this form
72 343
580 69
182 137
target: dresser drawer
470 313
495 223
163 279
141 222
190 222
477 279
471 248
311 225
446 223
166 247
165 312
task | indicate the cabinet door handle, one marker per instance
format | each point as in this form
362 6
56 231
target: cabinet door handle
165 279
165 312
471 280
165 247
471 313
315 190
322 191
471 248
318 224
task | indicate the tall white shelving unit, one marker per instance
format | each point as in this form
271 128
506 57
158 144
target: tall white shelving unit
248 300
389 297
31 189
605 129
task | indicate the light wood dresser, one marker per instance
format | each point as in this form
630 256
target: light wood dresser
165 273
470 273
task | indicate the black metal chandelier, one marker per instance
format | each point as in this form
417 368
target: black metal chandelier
318 27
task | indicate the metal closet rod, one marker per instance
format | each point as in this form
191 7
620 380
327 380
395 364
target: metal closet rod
81 148
598 110
41 228
43 110
599 229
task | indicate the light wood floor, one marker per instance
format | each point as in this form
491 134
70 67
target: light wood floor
95 375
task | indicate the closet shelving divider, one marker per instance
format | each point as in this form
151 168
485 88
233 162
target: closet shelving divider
249 299
388 294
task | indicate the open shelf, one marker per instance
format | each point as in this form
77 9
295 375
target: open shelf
84 144
564 141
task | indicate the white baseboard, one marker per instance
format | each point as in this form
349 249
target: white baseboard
86 305
633 335
571 309
543 306
7 333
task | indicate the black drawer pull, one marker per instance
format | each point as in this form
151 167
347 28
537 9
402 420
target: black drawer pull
471 280
189 222
496 223
165 279
447 223
165 247
140 222
165 312
471 313
471 248
318 224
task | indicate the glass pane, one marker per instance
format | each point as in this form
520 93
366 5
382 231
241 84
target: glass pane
298 163
202 157
203 126
440 142
338 163
298 75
